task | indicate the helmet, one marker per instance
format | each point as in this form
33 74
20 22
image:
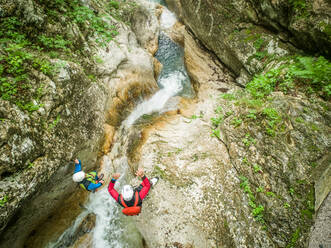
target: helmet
78 176
127 192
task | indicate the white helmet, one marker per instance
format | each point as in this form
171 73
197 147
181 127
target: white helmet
127 192
78 176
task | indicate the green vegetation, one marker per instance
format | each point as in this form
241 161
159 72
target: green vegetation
57 42
3 201
301 7
248 140
270 194
54 123
257 168
291 191
294 238
15 64
309 72
236 122
251 114
273 119
30 165
157 171
257 210
260 189
26 49
216 133
216 120
228 96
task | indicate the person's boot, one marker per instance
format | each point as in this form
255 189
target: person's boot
154 181
100 177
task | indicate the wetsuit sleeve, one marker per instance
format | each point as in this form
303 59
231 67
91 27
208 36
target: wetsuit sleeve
146 186
94 186
78 167
113 191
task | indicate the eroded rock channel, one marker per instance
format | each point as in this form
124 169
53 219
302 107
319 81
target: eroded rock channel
221 100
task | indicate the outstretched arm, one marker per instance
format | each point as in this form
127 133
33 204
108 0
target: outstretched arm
94 186
111 185
78 166
146 185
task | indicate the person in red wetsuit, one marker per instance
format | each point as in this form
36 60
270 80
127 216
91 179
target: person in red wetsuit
130 198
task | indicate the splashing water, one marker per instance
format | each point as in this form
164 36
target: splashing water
112 228
168 19
172 86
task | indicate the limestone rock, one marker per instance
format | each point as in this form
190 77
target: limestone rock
233 30
37 149
146 26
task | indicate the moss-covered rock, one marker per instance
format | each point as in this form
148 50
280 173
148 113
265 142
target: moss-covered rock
71 76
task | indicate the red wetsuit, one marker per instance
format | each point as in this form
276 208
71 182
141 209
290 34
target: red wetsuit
142 189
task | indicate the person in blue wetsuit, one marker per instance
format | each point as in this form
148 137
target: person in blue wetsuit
88 181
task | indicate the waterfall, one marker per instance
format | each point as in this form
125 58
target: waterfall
112 228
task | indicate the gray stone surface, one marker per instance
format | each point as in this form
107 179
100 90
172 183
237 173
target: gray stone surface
321 231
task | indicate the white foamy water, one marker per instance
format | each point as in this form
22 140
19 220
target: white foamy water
112 228
172 85
110 224
67 234
168 19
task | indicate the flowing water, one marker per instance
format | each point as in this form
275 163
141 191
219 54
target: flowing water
112 228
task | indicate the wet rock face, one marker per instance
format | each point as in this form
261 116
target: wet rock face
245 35
146 27
226 181
37 148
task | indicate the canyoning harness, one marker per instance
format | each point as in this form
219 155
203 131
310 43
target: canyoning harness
134 210
89 178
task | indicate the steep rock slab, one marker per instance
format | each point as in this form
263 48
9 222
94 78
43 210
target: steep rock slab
198 201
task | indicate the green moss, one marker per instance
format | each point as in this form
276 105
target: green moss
294 238
157 171
3 201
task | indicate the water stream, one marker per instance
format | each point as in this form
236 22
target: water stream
112 228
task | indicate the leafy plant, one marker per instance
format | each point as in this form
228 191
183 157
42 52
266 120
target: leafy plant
216 120
260 189
258 43
30 165
85 16
236 122
252 114
271 194
286 205
3 200
274 118
228 96
54 123
114 4
248 140
294 238
57 42
216 133
218 110
257 168
257 210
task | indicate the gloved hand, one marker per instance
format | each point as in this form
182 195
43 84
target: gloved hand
116 176
140 172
